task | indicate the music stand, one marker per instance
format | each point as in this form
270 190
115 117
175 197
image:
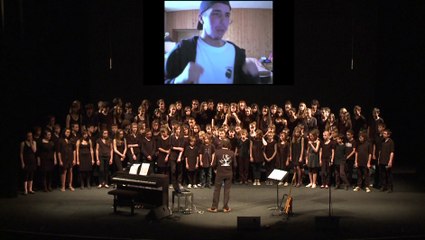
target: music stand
278 175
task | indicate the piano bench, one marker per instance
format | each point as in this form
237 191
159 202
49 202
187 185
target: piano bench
188 202
124 198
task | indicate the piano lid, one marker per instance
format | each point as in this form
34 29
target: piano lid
149 180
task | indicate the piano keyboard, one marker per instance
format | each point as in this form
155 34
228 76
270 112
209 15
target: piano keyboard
139 181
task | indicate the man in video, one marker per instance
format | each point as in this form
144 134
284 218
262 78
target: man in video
208 59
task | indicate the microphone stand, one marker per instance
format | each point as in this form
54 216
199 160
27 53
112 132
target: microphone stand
330 201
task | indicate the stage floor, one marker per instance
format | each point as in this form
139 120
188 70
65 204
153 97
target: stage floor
88 214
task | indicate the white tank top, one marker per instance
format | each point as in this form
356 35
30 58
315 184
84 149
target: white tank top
218 63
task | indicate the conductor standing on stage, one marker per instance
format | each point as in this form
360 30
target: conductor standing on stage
222 163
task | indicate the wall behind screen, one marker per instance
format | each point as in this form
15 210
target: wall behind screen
313 56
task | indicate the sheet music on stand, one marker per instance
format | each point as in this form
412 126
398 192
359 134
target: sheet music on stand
144 169
278 174
134 168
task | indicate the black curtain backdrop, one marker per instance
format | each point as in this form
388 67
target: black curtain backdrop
56 51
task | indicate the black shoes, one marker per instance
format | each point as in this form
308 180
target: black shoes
382 189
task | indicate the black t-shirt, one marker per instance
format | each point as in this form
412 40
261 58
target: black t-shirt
191 154
363 151
175 142
148 147
134 139
327 150
206 152
386 150
243 148
104 147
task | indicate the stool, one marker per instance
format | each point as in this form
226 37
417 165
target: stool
124 198
188 202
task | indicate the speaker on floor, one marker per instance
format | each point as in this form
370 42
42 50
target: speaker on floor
249 223
158 213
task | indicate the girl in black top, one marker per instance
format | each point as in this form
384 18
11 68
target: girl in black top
104 154
203 118
265 120
191 156
282 159
269 153
47 159
163 146
120 150
312 157
326 156
85 158
172 115
219 116
242 155
66 159
148 149
292 120
133 144
296 153
231 118
74 115
176 156
28 161
256 156
351 146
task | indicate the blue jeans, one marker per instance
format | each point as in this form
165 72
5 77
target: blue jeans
205 180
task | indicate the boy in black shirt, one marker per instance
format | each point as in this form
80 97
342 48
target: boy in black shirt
386 160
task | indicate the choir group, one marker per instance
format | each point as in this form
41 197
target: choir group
322 148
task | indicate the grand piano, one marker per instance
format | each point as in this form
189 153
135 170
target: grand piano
150 190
